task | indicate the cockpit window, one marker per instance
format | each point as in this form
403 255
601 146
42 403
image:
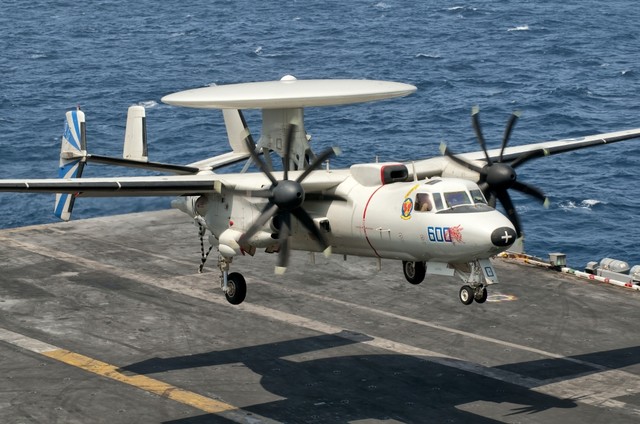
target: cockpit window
477 196
423 202
455 198
437 200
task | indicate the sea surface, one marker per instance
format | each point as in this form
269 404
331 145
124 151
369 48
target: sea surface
571 67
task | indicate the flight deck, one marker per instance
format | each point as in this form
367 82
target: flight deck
108 320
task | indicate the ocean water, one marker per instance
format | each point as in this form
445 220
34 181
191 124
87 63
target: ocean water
571 67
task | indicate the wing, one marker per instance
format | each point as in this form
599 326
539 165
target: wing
558 146
114 187
177 185
435 166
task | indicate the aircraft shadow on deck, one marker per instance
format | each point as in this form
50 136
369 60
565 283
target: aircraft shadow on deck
380 386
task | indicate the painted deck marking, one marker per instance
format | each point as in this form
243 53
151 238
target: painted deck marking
142 382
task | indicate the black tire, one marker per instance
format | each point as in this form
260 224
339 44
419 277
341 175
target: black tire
481 296
414 272
466 295
236 288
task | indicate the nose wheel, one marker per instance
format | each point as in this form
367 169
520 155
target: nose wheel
468 294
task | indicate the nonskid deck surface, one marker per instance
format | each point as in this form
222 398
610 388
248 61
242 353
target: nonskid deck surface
107 320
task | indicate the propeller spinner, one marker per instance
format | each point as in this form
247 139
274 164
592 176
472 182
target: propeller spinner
285 198
496 178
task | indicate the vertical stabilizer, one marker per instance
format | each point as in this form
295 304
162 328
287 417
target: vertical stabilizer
72 159
237 129
135 135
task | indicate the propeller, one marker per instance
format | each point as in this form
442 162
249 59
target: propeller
285 198
497 177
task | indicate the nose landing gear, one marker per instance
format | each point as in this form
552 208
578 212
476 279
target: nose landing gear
468 294
477 275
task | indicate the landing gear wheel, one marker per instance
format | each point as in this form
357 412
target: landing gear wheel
481 295
236 288
414 272
466 295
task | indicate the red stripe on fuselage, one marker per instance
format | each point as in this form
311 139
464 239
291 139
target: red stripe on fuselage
364 216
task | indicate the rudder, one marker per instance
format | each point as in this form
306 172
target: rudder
72 159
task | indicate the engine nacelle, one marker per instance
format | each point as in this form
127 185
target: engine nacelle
192 205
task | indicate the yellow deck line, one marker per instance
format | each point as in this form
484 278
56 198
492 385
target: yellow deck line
145 383
112 372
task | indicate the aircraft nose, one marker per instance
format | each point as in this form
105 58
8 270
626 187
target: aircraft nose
503 236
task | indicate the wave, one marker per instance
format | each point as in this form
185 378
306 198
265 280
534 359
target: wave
519 28
428 56
627 73
587 204
148 104
461 8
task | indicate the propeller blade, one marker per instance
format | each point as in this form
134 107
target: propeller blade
507 131
488 193
283 239
506 202
317 162
491 201
308 223
256 159
448 153
525 157
475 120
267 213
287 150
531 191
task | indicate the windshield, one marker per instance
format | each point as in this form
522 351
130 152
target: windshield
478 197
456 198
446 201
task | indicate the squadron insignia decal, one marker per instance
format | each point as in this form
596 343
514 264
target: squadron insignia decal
407 205
407 208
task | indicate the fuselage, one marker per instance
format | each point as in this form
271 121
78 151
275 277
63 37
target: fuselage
368 214
445 220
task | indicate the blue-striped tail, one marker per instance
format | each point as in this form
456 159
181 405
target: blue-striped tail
72 159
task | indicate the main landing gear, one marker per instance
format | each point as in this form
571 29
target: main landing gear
233 285
476 276
414 272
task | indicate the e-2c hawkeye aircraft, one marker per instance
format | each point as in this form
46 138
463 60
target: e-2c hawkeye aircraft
436 215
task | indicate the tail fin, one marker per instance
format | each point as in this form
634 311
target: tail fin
135 135
72 159
237 129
